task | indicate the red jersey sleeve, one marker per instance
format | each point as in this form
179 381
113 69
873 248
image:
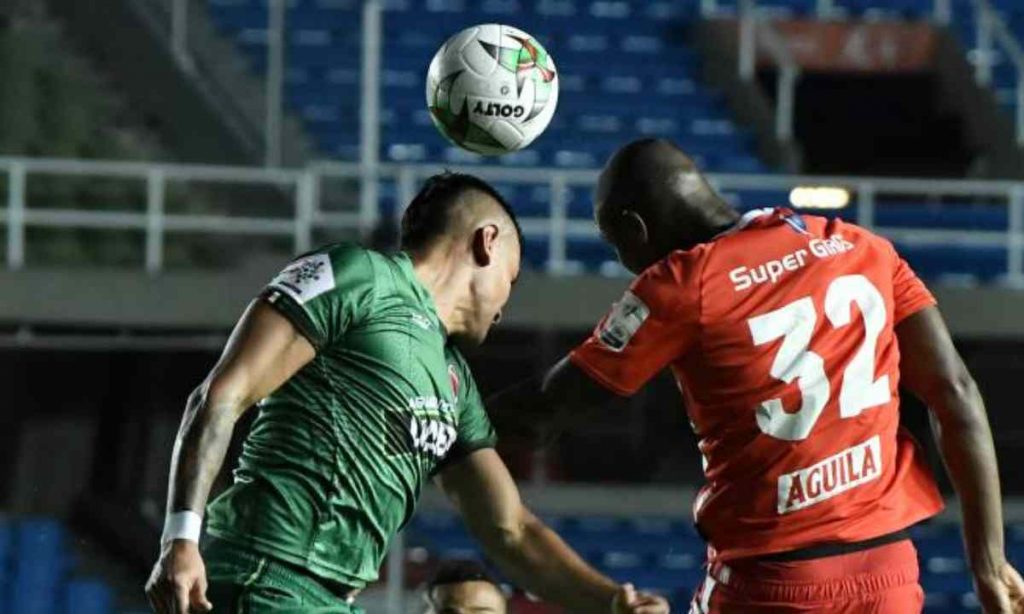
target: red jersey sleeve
654 323
909 294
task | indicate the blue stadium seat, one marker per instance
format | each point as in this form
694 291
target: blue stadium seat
88 597
665 582
931 261
535 253
40 564
38 539
737 164
945 215
592 254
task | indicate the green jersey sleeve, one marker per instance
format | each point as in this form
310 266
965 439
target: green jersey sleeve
474 431
324 293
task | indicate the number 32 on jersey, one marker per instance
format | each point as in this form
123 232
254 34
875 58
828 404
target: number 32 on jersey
794 324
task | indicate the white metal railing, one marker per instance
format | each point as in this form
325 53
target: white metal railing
757 32
306 211
993 34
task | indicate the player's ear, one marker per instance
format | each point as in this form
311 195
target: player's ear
485 242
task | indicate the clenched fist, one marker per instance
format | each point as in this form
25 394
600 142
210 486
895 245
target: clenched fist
178 582
629 601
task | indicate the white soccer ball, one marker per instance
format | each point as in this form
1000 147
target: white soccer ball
492 89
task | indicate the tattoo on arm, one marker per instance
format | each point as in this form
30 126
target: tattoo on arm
199 450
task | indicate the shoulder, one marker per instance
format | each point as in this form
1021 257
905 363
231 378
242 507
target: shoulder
457 361
855 235
680 269
671 286
331 268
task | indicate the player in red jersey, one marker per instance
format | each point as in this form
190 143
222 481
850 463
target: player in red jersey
785 333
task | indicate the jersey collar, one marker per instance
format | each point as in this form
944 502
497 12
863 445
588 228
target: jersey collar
766 215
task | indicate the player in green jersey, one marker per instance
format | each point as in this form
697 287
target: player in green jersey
353 357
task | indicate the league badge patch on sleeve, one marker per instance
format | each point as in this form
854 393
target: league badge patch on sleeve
627 316
306 278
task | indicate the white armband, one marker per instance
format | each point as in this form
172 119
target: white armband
182 525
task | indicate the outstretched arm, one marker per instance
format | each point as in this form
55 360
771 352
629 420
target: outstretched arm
536 410
932 369
525 548
263 352
654 323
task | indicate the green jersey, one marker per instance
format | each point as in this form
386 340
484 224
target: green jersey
337 457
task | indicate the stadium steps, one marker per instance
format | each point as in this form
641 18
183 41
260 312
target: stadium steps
717 42
213 114
56 103
989 114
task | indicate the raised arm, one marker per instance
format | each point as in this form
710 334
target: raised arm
932 369
525 548
536 410
263 352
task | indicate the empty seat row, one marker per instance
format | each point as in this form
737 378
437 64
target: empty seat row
855 7
666 556
36 567
618 80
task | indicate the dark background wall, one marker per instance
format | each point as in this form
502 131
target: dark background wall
104 421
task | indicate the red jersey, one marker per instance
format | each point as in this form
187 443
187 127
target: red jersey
780 335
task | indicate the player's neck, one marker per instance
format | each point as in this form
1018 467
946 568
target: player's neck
712 224
447 283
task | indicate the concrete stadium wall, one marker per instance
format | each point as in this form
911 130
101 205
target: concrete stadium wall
213 301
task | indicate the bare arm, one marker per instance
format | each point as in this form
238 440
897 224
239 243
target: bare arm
932 369
263 352
523 546
537 409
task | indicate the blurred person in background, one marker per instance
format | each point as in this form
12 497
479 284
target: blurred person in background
354 358
785 333
464 587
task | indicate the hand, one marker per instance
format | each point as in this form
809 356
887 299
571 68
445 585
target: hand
178 582
1000 591
629 601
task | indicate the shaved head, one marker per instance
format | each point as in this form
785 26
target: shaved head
450 205
651 199
475 209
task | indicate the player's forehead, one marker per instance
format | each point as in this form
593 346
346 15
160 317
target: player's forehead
471 596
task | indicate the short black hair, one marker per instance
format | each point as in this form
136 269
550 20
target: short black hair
427 216
456 572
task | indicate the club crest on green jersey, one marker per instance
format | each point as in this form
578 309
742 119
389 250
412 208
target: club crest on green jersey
453 379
